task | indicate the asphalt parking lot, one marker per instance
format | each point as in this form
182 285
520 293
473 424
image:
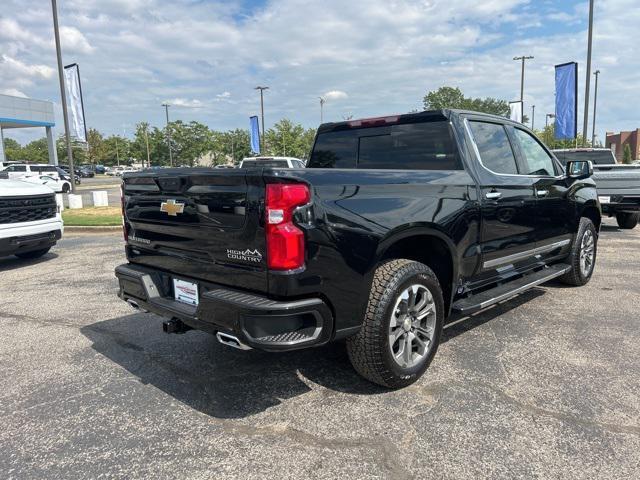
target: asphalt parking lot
546 385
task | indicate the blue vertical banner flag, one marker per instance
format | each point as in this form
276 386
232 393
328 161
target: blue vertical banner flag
566 124
255 134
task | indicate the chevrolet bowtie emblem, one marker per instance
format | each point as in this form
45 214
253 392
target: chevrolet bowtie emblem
172 208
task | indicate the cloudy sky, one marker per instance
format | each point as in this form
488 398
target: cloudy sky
367 57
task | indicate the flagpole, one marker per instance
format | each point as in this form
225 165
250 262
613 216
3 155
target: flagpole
63 96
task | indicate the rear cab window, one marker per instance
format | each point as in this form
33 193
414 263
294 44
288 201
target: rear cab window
265 163
425 145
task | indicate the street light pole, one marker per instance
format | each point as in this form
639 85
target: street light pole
523 58
533 116
166 111
63 96
595 102
322 102
146 140
262 89
588 79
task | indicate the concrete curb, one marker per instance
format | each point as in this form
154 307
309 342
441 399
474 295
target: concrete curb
101 229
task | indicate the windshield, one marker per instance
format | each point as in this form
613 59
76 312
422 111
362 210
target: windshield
598 157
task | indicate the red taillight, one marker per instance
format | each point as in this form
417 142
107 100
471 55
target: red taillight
285 241
125 232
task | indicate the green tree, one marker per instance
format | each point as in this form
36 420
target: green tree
547 135
233 145
289 139
116 151
78 150
96 153
452 97
627 157
12 150
36 151
139 143
189 141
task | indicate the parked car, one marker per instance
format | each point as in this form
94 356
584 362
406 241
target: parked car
100 169
396 225
618 184
274 162
56 184
30 221
85 172
64 175
19 170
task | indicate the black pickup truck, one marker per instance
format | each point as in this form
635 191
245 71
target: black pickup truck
397 225
618 184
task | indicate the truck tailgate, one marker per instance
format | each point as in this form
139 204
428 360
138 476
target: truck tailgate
623 179
200 223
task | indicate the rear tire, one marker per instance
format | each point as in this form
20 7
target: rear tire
33 254
402 325
583 255
627 221
65 188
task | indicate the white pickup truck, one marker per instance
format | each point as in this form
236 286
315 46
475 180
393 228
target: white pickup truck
30 220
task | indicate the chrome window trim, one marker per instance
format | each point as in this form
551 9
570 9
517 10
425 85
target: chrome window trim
526 254
477 152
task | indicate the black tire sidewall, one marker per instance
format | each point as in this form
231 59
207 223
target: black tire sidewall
585 226
402 281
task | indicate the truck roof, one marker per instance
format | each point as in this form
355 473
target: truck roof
443 114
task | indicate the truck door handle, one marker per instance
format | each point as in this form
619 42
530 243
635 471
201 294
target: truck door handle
493 195
542 193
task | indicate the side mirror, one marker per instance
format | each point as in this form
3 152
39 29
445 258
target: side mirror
578 169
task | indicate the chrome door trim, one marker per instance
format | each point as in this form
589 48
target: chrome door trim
526 254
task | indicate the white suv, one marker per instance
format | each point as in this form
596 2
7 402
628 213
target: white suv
19 170
274 162
30 220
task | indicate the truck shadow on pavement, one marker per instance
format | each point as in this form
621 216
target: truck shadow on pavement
226 383
11 263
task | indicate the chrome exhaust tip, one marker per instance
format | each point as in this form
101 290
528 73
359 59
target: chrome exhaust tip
133 303
231 341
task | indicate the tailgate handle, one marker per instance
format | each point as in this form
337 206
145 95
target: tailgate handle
170 184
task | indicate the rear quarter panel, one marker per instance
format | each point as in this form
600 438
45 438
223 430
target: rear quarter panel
358 214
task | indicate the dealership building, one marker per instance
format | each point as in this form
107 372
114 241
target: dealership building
19 112
617 141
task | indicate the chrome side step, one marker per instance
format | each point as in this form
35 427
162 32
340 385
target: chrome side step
510 289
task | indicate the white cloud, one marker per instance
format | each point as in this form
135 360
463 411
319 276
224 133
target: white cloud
385 54
185 102
335 95
17 67
14 92
72 40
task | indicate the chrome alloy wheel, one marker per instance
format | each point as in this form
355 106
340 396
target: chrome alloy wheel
587 253
412 326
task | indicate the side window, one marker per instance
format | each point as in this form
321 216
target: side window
536 159
17 168
494 147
